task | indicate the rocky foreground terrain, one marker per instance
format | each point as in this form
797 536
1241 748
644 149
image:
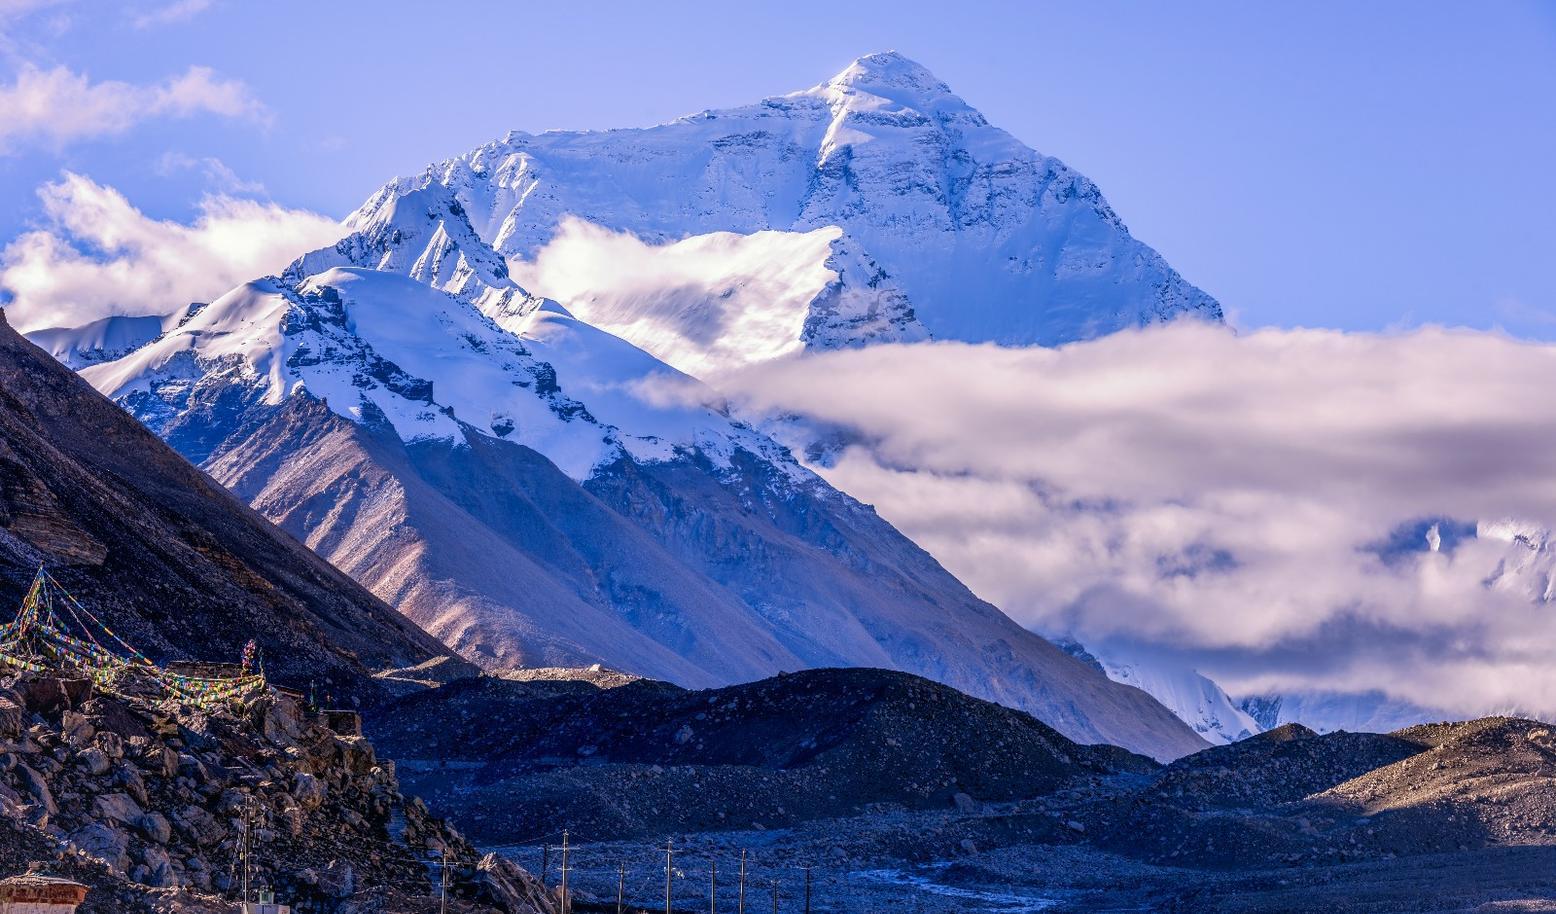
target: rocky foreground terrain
148 802
898 792
518 759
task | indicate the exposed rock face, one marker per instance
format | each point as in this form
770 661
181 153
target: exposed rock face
331 828
165 556
646 757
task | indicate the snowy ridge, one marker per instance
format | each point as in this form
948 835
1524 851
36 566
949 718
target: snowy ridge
426 236
1327 712
980 237
1194 698
383 348
107 338
1528 564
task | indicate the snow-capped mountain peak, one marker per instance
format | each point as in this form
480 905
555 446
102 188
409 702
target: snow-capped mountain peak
977 236
890 71
424 234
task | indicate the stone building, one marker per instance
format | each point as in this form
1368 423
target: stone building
34 893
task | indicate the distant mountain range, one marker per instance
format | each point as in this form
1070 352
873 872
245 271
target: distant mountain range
495 465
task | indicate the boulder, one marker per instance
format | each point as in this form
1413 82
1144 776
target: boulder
104 842
128 777
43 695
309 791
155 827
157 868
160 760
111 744
94 761
78 731
120 807
199 826
13 720
35 784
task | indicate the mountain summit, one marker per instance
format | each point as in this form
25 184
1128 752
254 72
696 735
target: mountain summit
889 70
923 221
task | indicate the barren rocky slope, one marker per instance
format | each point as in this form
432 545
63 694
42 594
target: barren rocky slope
169 559
1430 819
513 760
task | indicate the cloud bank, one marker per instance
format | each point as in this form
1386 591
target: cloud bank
58 106
701 304
100 256
1263 505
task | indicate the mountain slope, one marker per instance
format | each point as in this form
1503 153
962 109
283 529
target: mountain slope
1196 699
517 492
979 237
169 559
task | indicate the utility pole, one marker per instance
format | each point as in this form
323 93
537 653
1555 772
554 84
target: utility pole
807 891
713 887
564 872
246 848
669 859
621 886
443 904
775 896
742 909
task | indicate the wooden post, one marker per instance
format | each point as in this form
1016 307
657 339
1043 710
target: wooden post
775 896
807 890
713 887
621 886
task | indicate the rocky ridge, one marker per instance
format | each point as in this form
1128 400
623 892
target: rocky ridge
513 760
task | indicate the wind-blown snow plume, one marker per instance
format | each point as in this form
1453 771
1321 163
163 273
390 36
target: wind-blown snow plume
1255 502
100 256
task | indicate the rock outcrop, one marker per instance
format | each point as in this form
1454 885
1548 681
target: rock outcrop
160 795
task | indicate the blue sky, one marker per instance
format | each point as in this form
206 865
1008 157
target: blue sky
1362 166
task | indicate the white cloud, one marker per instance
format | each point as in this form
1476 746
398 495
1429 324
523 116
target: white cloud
15 9
99 255
1222 495
219 177
169 13
699 303
58 106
